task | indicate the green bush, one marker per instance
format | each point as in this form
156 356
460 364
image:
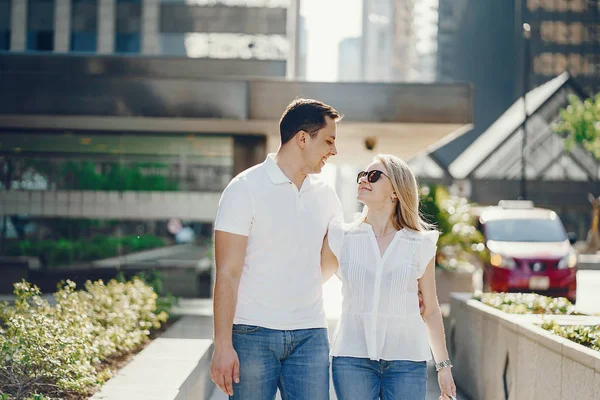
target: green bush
65 252
587 335
155 279
460 244
527 303
86 175
58 350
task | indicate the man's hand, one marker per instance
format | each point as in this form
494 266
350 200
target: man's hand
225 368
230 251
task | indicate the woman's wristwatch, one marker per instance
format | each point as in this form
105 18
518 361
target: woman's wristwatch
443 364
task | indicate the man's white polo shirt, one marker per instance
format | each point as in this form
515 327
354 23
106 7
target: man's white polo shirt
280 286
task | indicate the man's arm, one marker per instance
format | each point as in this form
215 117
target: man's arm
230 252
329 262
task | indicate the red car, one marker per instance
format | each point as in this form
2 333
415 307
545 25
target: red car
529 251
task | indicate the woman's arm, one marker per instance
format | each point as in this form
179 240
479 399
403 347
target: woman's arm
329 262
432 315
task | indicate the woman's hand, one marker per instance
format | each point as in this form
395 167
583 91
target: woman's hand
447 386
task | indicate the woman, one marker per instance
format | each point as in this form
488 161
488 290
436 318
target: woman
383 340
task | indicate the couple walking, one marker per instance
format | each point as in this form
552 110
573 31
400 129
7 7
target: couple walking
279 234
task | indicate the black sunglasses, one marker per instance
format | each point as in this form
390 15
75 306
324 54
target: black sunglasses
372 176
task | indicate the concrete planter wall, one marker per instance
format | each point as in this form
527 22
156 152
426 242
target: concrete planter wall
499 356
174 366
452 281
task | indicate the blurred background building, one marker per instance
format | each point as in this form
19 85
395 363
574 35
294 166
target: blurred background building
123 120
139 112
399 40
200 28
482 42
349 60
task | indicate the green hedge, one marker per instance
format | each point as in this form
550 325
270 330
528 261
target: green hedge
527 303
587 335
65 252
61 350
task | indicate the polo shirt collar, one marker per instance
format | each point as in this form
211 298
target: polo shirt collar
277 176
274 172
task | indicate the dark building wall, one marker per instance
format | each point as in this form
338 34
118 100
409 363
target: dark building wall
565 35
477 45
481 41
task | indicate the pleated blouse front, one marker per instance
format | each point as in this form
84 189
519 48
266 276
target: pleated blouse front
380 311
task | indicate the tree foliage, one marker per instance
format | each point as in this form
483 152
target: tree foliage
460 244
580 122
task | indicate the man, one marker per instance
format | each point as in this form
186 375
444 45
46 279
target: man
270 326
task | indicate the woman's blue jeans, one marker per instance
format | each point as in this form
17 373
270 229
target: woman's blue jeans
364 379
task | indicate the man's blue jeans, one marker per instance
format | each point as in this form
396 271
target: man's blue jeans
364 379
296 362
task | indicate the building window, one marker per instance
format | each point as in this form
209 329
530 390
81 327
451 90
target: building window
84 25
127 43
40 40
40 25
5 13
4 40
128 26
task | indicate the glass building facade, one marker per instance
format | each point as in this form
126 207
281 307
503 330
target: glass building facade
82 198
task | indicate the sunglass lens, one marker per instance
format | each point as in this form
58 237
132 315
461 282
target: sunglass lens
360 175
374 176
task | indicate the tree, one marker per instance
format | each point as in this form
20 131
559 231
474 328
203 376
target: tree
580 122
460 244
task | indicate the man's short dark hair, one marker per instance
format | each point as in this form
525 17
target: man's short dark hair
305 115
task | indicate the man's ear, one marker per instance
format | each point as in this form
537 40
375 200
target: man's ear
301 139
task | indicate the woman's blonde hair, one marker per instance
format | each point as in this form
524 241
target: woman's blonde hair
404 183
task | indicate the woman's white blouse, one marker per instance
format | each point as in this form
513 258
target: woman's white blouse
380 310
